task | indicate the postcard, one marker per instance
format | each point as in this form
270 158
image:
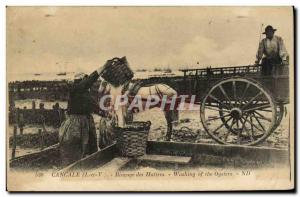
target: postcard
188 98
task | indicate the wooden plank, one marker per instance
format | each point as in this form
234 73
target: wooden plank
13 154
96 159
155 150
165 159
230 151
115 164
49 155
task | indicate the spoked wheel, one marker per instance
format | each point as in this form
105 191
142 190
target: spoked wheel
238 111
221 113
279 116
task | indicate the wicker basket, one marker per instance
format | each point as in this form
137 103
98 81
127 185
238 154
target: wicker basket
117 72
132 139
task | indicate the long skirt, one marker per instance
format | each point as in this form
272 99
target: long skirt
77 138
106 135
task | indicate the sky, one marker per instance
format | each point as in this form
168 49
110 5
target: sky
73 39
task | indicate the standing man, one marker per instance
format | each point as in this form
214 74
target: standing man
272 51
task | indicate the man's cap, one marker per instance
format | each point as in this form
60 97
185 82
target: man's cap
269 28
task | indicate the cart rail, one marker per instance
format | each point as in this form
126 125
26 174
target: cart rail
250 69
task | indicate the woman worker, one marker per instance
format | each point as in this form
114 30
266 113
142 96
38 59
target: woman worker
77 134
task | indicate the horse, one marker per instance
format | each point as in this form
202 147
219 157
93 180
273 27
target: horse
124 114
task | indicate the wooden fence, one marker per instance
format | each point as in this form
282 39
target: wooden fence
45 90
53 117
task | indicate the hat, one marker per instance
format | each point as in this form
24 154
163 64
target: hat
269 28
79 75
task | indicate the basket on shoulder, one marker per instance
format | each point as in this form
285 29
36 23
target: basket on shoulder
117 72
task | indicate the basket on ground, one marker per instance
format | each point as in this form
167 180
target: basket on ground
132 139
184 134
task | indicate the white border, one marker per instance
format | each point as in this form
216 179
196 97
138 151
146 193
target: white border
153 2
3 4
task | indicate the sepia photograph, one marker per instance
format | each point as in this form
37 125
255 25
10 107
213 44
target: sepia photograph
172 98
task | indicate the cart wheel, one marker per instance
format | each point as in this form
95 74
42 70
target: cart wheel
279 116
238 111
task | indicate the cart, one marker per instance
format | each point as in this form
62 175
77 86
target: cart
238 105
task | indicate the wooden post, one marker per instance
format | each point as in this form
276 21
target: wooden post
17 116
42 106
21 121
11 101
41 139
21 129
13 154
44 125
33 104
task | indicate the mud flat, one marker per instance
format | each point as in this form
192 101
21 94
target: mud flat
191 119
